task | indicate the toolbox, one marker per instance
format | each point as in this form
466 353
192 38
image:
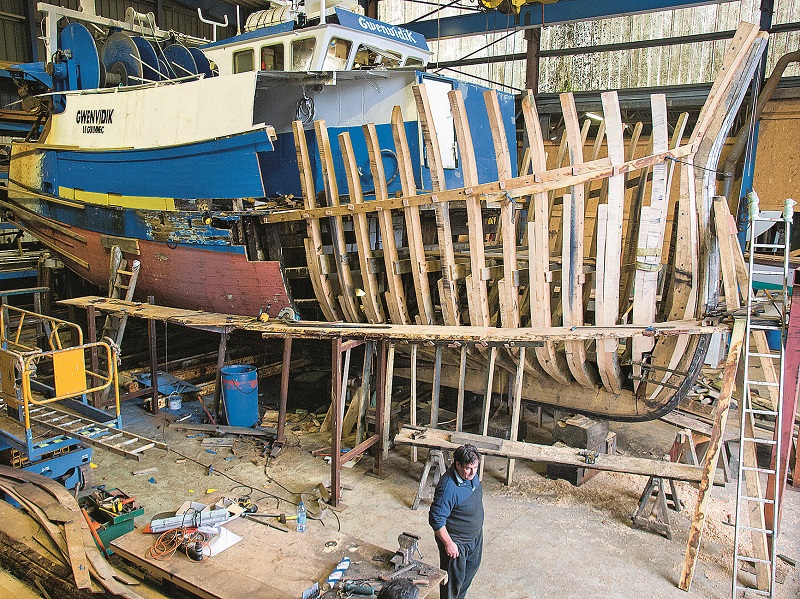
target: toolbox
113 512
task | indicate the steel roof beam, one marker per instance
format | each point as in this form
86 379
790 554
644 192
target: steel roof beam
563 11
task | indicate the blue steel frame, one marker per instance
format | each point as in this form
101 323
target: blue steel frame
562 11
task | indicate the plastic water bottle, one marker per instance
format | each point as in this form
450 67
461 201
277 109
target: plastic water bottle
301 517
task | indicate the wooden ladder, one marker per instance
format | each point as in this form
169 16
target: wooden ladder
120 280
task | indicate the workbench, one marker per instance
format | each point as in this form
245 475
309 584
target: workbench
268 562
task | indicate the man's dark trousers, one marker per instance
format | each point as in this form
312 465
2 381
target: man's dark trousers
460 570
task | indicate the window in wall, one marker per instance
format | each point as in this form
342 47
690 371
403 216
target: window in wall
336 56
243 61
303 53
272 58
370 57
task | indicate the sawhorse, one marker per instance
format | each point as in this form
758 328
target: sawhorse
438 462
659 509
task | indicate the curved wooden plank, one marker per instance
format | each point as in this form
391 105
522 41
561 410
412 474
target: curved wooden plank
609 267
313 243
509 284
651 234
478 296
348 299
538 231
416 248
447 285
572 277
371 302
396 295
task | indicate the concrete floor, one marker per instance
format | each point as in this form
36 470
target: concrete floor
543 538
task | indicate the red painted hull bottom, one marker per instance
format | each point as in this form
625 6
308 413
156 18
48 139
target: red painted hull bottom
184 276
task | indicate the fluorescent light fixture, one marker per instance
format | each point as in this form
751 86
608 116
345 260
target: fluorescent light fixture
593 116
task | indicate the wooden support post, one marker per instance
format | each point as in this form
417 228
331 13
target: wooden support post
517 410
223 347
462 378
387 408
487 400
712 454
336 428
91 330
284 398
437 384
413 406
365 396
380 404
151 339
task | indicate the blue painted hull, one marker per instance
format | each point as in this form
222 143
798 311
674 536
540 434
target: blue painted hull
220 168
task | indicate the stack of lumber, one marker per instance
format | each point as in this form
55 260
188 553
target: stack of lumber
66 552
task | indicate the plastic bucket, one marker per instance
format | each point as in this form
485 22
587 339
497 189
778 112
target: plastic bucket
175 402
240 392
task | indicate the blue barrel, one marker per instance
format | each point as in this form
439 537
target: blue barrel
240 392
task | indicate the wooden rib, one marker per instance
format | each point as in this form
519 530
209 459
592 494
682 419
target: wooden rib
559 232
416 248
437 384
653 222
348 299
479 307
395 296
373 307
593 202
508 285
553 361
313 243
572 252
607 307
447 286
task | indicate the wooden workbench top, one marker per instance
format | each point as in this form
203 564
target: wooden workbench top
268 562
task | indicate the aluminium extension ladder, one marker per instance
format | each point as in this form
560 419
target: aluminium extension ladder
752 478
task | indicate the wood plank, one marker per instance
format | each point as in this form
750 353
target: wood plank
396 295
487 399
321 284
387 410
347 299
373 307
451 312
607 309
549 454
572 252
479 310
712 454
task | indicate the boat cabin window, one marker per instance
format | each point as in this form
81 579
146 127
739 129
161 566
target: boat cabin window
370 57
272 57
243 61
414 62
337 54
303 53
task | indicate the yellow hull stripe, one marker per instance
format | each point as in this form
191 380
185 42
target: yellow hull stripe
114 200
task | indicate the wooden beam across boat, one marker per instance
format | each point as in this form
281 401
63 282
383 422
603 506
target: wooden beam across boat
433 334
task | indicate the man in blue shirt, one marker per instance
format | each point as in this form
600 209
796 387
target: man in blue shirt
456 517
